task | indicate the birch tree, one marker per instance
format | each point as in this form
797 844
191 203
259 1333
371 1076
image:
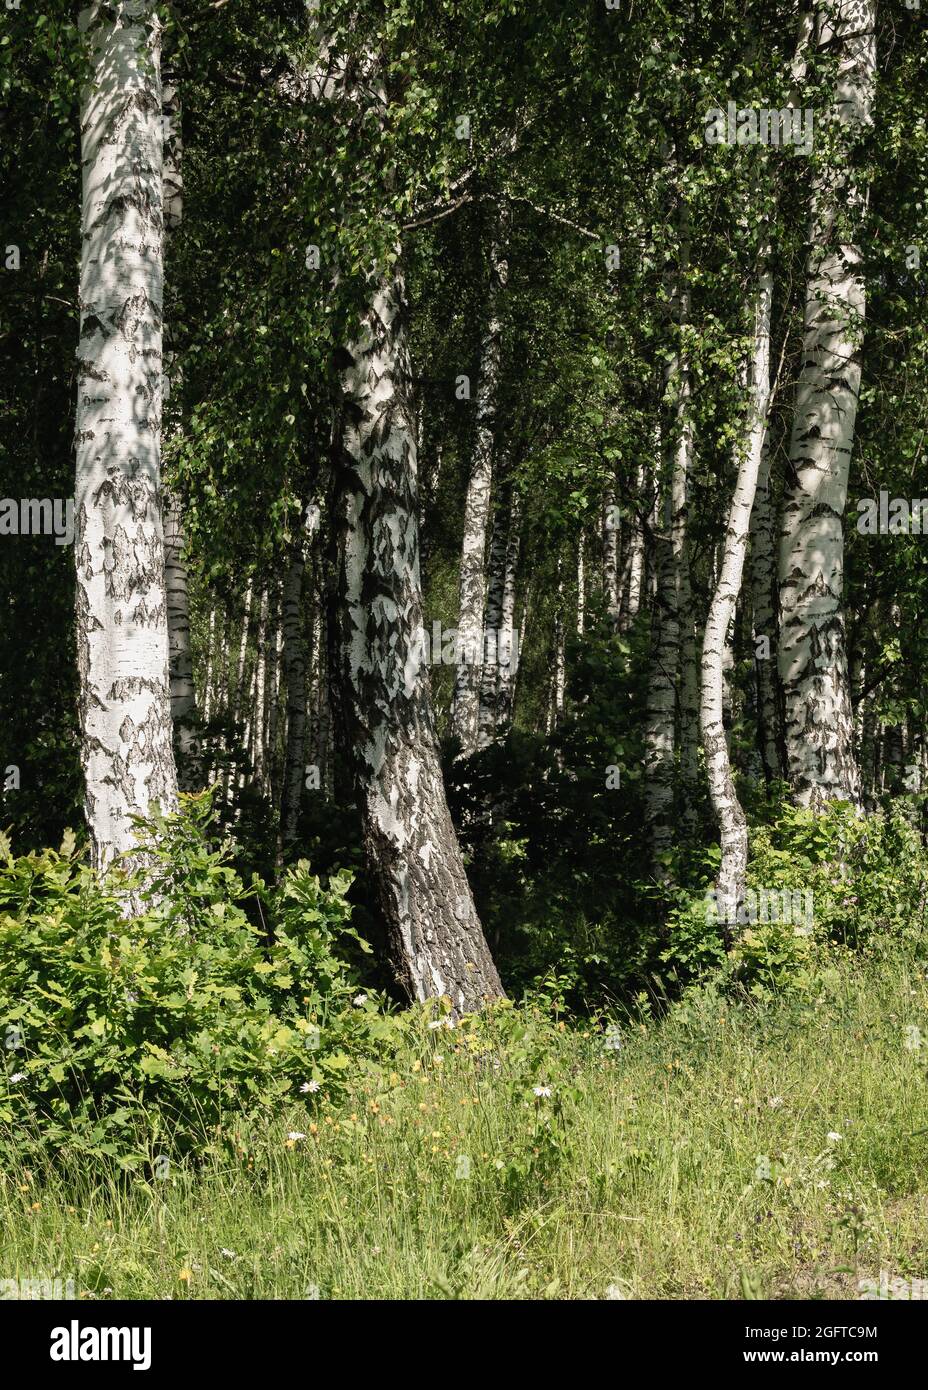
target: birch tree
727 807
436 941
819 725
121 618
465 707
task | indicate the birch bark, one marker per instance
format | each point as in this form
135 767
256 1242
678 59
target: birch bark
819 729
727 807
121 617
436 941
465 705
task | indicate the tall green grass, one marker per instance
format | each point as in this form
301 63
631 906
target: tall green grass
723 1151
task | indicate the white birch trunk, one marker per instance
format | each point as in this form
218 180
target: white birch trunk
728 809
510 639
819 728
496 692
581 584
465 704
660 707
436 940
259 717
275 665
121 617
631 598
610 548
493 622
183 694
209 666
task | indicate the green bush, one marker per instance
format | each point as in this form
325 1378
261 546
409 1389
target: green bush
860 879
126 1035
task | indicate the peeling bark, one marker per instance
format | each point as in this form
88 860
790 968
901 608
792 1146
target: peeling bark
436 941
819 727
121 612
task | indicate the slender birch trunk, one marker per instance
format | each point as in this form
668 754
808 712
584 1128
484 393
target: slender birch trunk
121 617
819 726
510 643
436 941
268 694
465 705
259 716
493 622
610 547
275 666
183 692
673 598
581 584
660 706
727 807
240 697
294 670
680 388
633 575
763 586
209 665
499 675
238 701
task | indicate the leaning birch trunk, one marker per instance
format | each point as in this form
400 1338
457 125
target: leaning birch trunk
819 726
121 618
436 940
465 705
727 807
